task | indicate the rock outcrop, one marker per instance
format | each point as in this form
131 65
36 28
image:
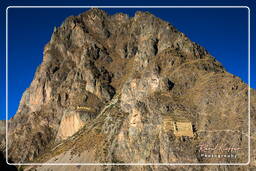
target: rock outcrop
105 87
2 135
70 124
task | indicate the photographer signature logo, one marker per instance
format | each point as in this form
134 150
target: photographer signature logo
218 151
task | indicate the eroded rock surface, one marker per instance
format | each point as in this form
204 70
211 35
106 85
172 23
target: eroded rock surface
105 87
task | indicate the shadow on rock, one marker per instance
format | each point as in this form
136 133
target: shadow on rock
4 166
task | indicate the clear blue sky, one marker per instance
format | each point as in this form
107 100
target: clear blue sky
223 32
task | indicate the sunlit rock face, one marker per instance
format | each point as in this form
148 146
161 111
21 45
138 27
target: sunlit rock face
69 125
105 87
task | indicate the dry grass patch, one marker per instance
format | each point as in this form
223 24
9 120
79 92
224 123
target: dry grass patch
90 141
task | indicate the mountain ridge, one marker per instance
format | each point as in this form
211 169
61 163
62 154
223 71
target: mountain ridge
106 84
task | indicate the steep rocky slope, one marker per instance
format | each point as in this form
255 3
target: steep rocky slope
114 89
2 135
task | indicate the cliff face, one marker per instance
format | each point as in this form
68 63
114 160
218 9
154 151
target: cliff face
127 90
2 135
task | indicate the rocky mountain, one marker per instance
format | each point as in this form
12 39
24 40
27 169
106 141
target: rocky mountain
120 89
2 134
